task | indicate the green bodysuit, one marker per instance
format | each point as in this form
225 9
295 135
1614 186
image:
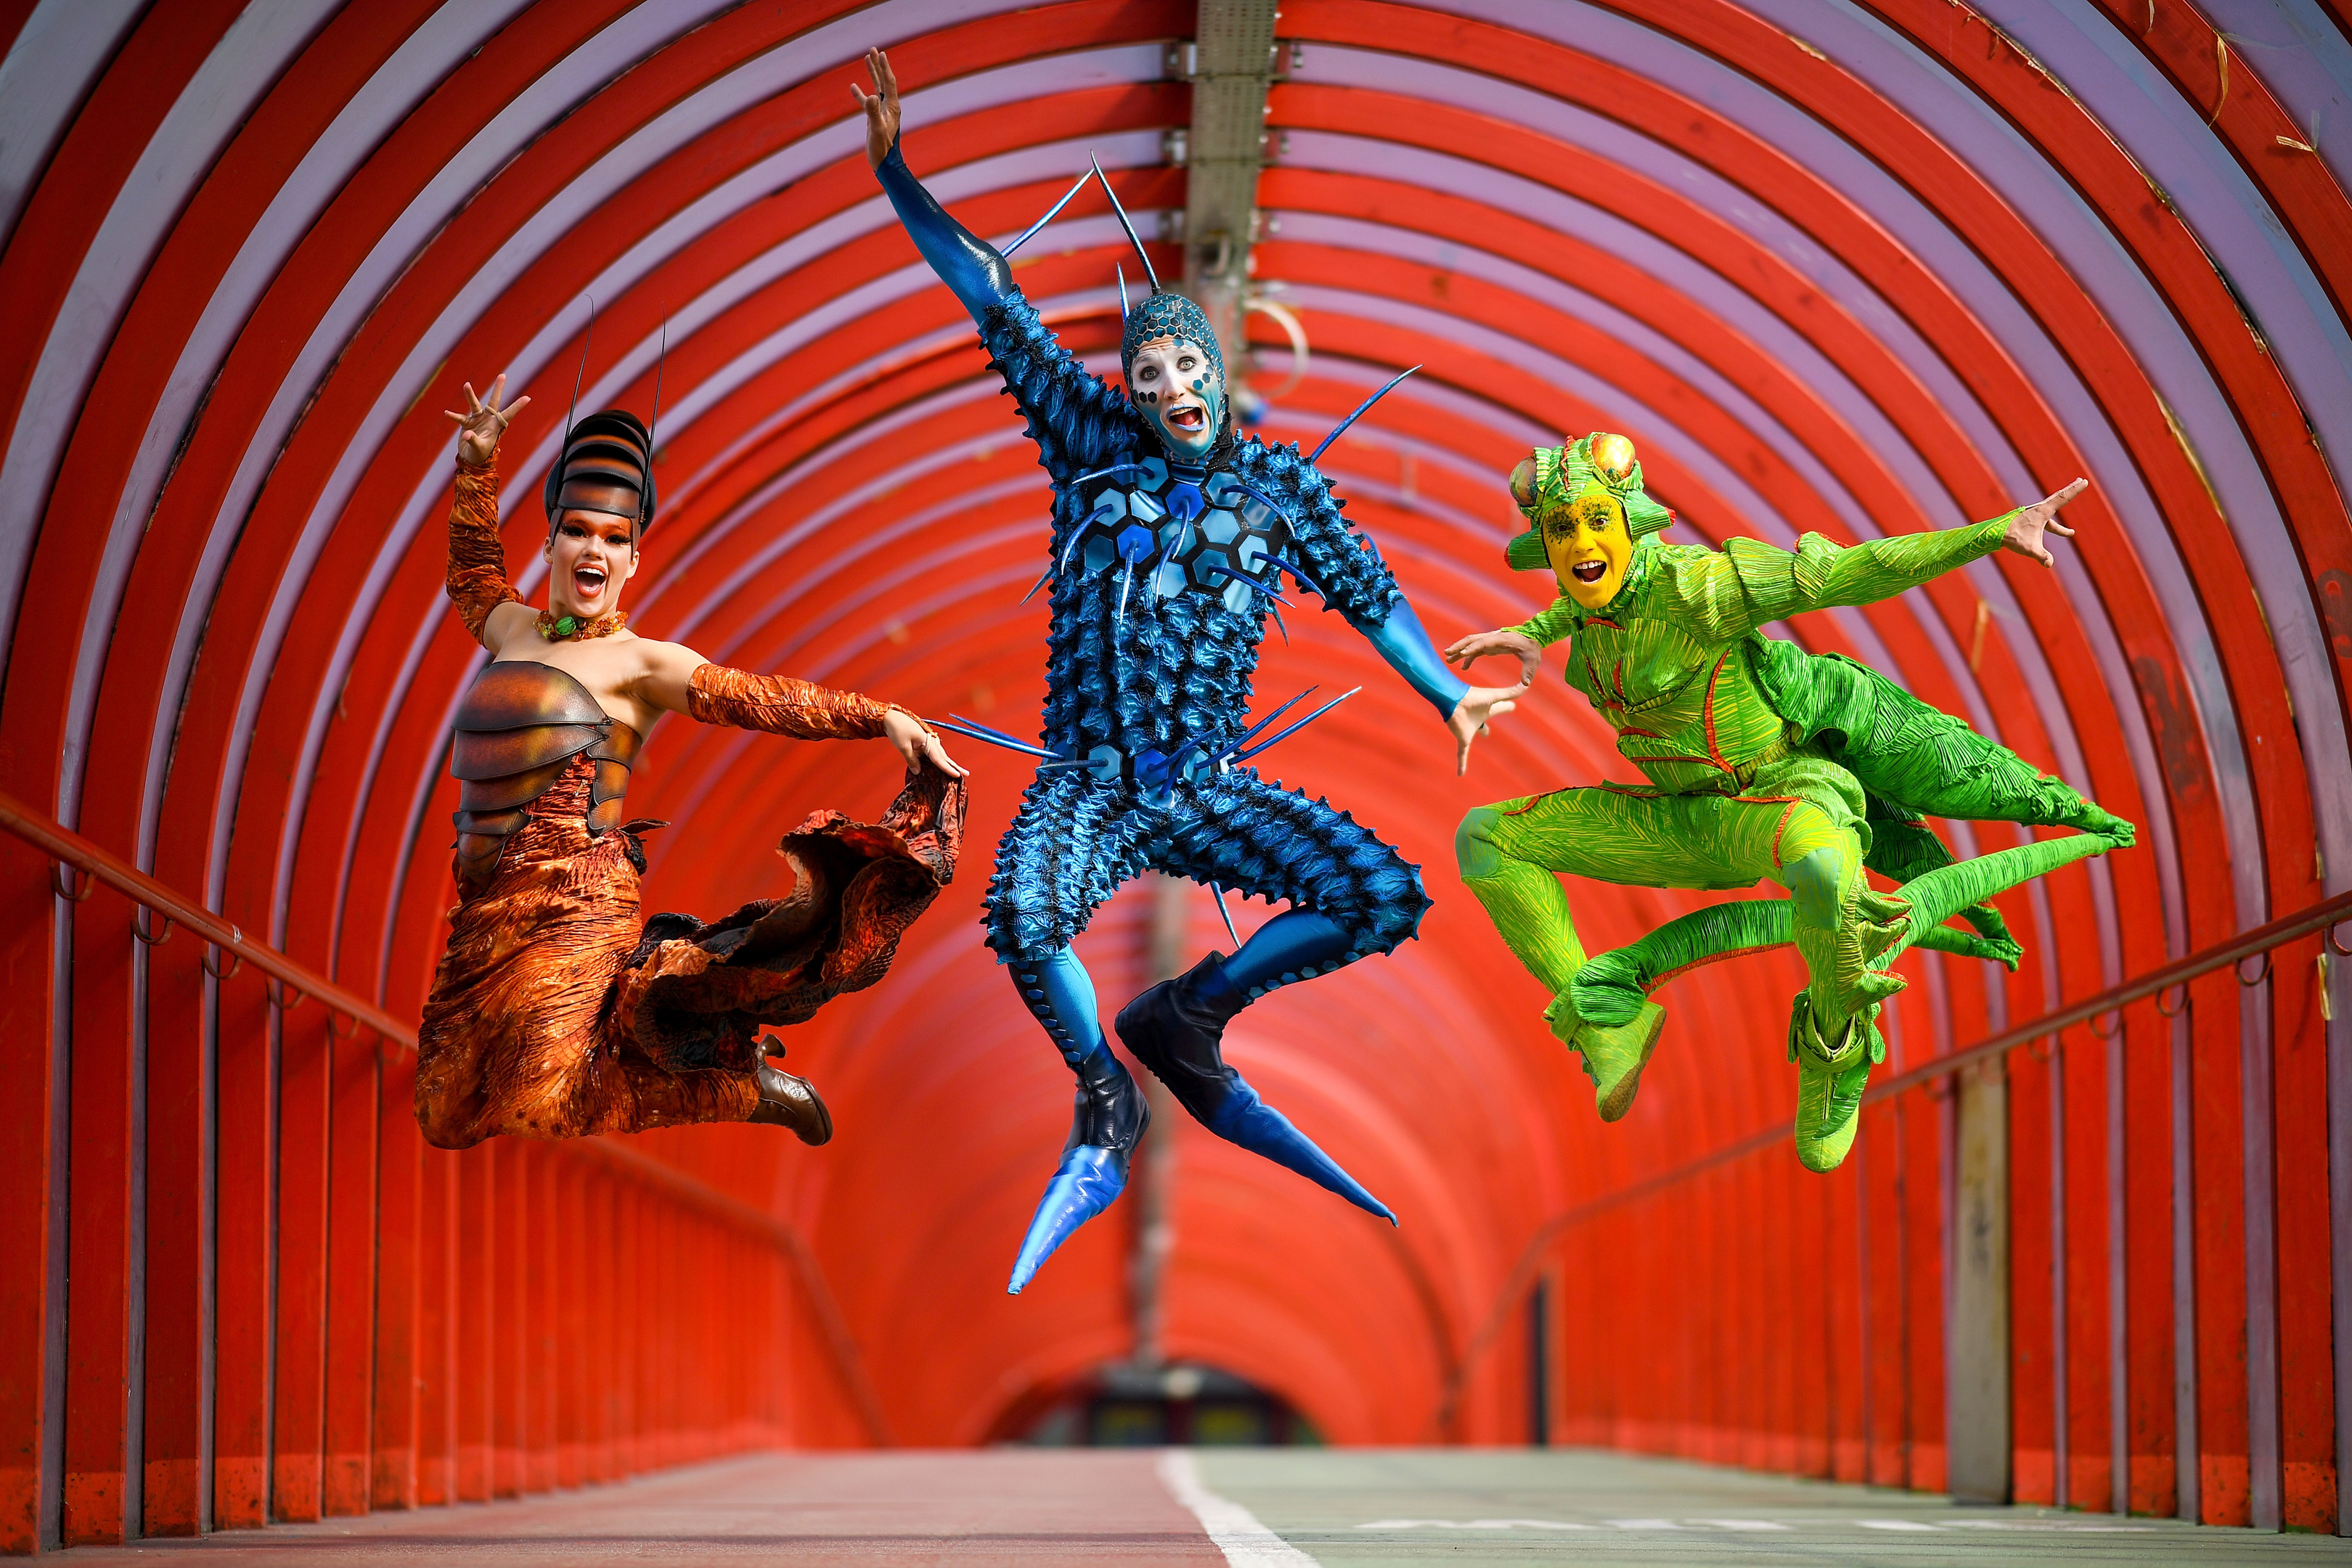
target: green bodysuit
1760 761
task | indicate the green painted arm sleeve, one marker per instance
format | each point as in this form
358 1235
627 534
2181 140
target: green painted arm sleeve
1546 627
1752 585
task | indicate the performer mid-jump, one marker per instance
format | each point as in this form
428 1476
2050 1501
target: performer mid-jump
553 1015
1169 540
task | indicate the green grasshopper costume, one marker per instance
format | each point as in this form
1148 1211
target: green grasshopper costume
1761 760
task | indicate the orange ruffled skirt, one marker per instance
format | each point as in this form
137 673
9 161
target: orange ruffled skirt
554 1014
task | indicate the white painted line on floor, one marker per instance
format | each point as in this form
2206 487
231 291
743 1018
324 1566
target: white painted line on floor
1246 1542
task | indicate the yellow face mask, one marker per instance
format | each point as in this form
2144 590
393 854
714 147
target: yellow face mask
1589 547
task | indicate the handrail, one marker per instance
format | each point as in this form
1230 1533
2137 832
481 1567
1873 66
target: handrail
2322 916
68 847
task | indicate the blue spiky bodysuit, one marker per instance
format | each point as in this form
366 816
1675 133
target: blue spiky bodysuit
1165 558
1158 621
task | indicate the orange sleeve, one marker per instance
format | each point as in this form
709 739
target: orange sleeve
477 561
780 705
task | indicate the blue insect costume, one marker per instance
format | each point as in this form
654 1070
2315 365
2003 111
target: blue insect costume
1162 572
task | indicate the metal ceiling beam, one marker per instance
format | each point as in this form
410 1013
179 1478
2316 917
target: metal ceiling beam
1230 63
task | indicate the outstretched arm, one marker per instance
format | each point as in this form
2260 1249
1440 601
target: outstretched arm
680 680
1078 423
1355 582
477 575
1762 584
967 264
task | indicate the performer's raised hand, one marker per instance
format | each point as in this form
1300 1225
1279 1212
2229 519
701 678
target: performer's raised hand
881 107
1468 720
479 429
1481 645
2027 523
917 743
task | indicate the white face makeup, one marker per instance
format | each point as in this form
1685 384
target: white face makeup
1177 387
588 558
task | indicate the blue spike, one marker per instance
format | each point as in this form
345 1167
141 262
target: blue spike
1263 499
1219 893
1293 568
1144 256
1115 472
1270 718
1126 576
1122 293
1249 1123
1040 582
1063 767
1276 611
1359 414
1245 577
1083 1184
1030 233
994 739
989 729
1262 745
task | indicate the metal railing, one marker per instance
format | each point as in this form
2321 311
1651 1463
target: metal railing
2322 916
74 855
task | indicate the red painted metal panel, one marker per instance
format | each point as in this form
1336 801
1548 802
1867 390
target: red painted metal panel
244 1213
97 1254
27 1082
399 1230
438 1398
479 1236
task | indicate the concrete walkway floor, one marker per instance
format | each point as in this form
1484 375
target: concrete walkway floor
1257 1508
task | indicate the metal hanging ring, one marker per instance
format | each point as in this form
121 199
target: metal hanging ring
140 928
2238 969
2177 1011
341 1034
2114 1024
2342 951
61 878
278 992
236 962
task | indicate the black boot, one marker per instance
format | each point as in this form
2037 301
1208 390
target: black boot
1176 1032
1176 1029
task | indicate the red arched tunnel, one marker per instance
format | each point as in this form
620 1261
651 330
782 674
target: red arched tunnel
1854 271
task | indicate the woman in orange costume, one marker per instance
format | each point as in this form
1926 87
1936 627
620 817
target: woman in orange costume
554 1014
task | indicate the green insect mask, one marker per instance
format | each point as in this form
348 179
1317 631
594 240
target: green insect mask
1586 514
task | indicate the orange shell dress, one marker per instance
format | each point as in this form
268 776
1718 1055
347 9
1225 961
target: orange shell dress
556 1012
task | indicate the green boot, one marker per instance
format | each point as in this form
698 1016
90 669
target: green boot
1613 1056
1830 1082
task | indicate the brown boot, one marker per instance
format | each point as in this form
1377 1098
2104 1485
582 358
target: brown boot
786 1101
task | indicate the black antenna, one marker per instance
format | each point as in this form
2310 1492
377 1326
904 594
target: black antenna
587 337
653 429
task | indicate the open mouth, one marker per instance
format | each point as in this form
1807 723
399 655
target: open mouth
1189 418
588 581
1589 571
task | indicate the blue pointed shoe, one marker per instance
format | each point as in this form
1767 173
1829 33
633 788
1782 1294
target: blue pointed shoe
1247 1121
1107 1124
1176 1032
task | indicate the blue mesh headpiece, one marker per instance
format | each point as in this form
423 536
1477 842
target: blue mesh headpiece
1169 316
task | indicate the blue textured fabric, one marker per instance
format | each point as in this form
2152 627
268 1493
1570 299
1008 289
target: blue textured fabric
1057 990
1293 945
1408 651
1077 839
1166 315
972 269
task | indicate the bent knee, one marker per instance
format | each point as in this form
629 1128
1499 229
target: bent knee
1816 882
1475 849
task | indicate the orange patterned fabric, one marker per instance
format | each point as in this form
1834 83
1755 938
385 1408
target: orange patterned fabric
554 1015
476 581
782 706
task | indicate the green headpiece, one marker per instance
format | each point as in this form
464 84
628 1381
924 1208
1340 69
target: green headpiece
1601 461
